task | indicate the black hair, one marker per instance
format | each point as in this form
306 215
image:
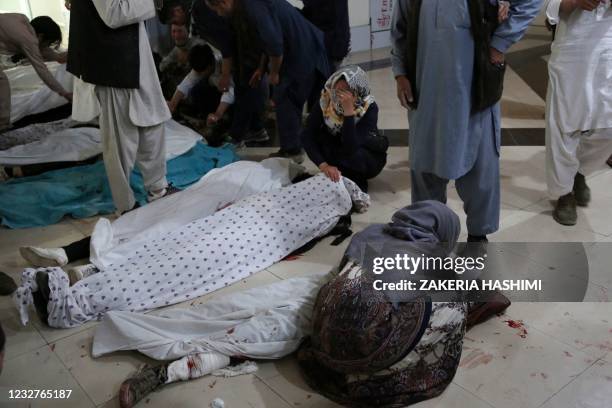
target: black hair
165 14
50 31
201 57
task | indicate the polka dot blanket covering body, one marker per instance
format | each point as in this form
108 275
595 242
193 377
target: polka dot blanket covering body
202 256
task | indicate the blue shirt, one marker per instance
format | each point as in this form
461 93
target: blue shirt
283 31
444 134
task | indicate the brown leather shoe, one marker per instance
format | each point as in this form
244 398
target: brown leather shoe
145 381
479 312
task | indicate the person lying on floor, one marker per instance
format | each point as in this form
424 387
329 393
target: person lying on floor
272 321
113 242
341 136
197 258
262 323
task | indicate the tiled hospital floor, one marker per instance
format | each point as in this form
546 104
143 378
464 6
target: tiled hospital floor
564 359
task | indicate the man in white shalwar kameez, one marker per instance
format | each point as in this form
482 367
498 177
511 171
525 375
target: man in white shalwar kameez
579 102
111 57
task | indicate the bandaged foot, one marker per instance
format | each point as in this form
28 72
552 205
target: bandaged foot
196 366
44 257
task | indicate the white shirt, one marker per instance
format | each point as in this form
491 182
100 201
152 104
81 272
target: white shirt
580 67
147 104
194 77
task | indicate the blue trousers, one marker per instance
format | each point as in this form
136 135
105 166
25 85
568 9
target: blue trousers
478 188
249 109
290 96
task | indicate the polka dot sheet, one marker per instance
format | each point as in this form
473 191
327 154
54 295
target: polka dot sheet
203 256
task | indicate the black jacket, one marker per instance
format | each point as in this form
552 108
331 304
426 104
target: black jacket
487 85
99 54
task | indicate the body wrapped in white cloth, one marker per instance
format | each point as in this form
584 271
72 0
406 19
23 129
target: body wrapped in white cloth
201 256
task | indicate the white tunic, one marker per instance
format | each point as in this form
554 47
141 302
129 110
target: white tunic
147 103
580 69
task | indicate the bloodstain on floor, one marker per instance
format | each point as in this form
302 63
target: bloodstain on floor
230 331
519 325
292 257
476 358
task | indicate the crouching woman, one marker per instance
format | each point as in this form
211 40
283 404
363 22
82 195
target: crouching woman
341 136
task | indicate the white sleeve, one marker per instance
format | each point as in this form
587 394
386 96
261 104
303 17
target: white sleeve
189 82
228 96
119 13
553 8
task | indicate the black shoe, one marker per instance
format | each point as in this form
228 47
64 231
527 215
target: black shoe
582 192
609 162
565 210
41 296
476 247
7 285
141 384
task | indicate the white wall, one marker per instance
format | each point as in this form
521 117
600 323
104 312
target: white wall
359 12
15 6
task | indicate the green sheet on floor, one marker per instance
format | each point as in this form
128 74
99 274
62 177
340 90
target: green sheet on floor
84 191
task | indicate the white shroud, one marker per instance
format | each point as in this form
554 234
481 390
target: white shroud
266 322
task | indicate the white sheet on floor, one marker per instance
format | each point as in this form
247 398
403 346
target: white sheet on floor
29 95
202 256
68 145
266 322
113 242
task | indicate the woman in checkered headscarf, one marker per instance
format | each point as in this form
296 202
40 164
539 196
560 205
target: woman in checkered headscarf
341 136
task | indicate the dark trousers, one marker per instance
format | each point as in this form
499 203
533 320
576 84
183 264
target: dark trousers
78 250
249 109
290 96
360 166
478 188
205 98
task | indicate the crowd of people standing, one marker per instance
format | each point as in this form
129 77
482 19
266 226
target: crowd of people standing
225 62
